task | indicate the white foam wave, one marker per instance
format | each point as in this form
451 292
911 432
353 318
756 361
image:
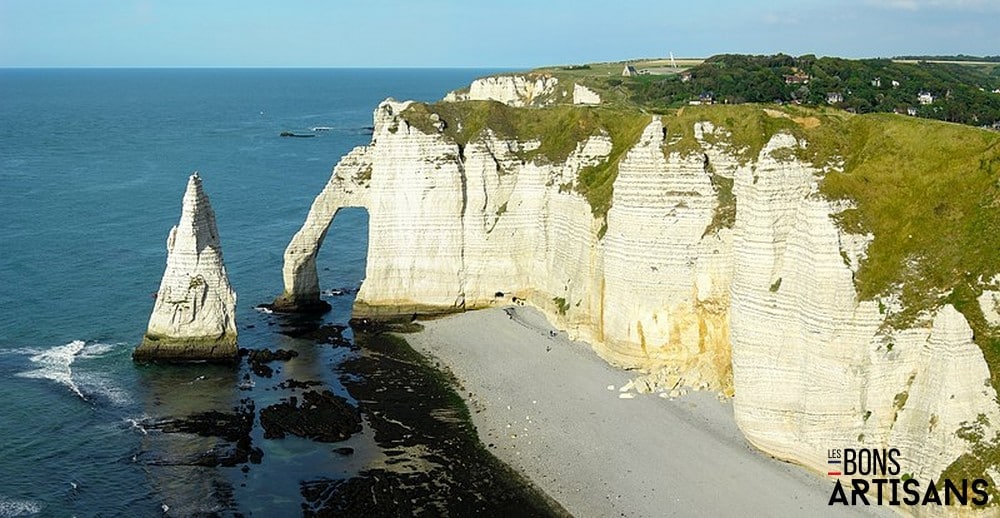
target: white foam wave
105 387
96 350
136 423
9 508
55 364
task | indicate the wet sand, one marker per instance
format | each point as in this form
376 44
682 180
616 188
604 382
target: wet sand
542 404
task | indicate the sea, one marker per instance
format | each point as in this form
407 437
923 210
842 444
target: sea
93 166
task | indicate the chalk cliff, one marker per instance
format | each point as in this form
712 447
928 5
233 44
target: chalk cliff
512 90
193 317
584 95
714 263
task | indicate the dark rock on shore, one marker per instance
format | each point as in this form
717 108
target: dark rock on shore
374 327
300 307
259 358
332 334
233 428
322 416
437 465
296 384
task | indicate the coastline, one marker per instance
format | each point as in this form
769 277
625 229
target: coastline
545 406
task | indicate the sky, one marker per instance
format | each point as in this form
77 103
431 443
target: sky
499 33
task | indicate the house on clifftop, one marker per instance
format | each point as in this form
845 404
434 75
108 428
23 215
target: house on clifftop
629 71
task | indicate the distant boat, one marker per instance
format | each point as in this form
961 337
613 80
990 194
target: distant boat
298 135
321 128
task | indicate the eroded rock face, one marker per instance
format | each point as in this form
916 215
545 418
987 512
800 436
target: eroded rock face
513 90
814 367
194 314
584 95
758 297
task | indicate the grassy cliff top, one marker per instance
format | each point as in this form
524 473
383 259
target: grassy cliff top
559 129
928 191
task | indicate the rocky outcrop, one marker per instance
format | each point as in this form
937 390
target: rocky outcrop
193 317
584 95
512 90
989 303
524 90
677 279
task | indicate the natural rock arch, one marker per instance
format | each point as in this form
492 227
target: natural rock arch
302 293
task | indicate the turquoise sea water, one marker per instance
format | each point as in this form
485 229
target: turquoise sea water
93 164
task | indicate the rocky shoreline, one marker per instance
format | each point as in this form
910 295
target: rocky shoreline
392 415
435 463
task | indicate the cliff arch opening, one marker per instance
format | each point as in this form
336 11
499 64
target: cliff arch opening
342 259
343 266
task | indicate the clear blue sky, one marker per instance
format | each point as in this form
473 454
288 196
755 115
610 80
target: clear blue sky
514 33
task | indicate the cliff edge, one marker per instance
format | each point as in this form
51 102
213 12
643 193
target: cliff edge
837 273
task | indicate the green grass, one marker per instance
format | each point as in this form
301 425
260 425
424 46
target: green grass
561 305
724 215
985 454
929 192
596 183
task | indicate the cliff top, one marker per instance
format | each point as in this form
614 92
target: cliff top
927 192
966 92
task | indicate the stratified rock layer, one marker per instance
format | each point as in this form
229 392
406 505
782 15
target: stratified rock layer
193 318
758 298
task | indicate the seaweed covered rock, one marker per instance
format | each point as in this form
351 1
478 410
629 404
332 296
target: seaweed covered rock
322 416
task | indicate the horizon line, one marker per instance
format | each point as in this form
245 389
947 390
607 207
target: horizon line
354 67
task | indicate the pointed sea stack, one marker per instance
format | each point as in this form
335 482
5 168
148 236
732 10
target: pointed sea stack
194 315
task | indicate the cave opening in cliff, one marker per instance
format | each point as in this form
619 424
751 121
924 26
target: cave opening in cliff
342 259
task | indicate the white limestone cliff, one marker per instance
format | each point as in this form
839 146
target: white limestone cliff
766 308
584 95
193 317
814 367
520 90
989 303
517 90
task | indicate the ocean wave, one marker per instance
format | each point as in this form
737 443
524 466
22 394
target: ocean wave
55 364
96 350
103 387
10 508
